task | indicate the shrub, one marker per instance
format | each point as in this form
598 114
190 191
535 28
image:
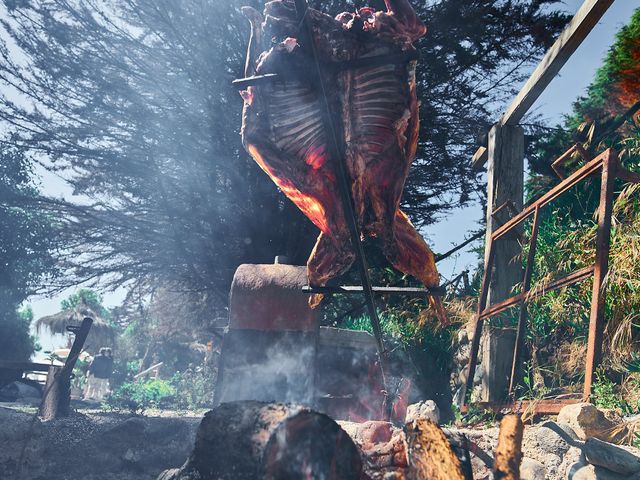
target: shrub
138 397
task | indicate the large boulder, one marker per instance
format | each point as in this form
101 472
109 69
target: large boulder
588 421
611 457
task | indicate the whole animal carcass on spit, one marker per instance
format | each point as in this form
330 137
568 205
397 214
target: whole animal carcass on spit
375 115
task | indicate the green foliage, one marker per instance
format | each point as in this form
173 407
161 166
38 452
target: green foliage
16 343
138 397
25 253
604 392
194 387
90 298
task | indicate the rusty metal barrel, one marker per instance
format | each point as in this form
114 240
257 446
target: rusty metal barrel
269 350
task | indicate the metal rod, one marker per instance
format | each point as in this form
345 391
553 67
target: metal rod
473 238
337 155
477 332
510 302
522 317
357 289
577 176
598 294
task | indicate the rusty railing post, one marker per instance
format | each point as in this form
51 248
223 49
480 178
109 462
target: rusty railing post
522 318
601 268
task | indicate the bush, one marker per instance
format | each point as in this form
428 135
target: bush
138 397
194 387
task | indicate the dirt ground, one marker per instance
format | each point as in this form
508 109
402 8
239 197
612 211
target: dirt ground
92 444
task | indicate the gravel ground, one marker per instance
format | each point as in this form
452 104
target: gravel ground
92 444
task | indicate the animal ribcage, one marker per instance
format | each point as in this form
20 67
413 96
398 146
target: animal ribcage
378 101
296 122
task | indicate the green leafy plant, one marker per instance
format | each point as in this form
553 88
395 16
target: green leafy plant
138 397
604 392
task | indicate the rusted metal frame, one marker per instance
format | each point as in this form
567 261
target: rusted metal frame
570 279
556 166
477 332
549 406
357 289
337 154
522 316
601 268
552 194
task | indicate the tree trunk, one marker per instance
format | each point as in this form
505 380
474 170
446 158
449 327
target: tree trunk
57 394
249 440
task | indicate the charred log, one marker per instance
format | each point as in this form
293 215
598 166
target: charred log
255 440
430 454
509 449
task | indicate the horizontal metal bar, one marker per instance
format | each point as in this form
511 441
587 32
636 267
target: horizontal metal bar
255 80
554 193
570 279
551 406
357 289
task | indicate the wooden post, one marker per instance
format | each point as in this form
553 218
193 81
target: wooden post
56 400
603 237
505 184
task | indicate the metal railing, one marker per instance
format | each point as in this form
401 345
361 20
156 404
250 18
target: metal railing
609 168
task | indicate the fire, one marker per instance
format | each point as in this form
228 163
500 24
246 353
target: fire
309 205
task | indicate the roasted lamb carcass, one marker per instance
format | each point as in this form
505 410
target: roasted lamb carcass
375 116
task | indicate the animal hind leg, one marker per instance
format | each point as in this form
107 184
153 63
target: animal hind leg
330 258
409 253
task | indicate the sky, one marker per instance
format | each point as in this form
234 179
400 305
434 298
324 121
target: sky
454 228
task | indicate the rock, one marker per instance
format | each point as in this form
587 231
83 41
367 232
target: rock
131 427
382 447
463 337
425 410
532 470
19 391
548 444
611 457
587 421
583 471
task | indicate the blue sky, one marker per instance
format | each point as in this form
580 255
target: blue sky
555 102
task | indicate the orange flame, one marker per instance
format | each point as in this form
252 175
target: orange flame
309 205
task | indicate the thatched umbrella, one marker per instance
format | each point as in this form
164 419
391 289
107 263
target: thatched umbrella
102 334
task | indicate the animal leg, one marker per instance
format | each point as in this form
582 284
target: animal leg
409 253
330 258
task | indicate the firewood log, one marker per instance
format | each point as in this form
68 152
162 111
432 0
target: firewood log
508 456
256 440
430 454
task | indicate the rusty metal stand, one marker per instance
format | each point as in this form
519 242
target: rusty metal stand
607 163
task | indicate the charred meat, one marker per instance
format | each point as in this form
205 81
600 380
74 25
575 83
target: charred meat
375 113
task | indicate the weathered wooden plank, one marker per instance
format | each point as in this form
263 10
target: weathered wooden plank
479 158
505 185
569 40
